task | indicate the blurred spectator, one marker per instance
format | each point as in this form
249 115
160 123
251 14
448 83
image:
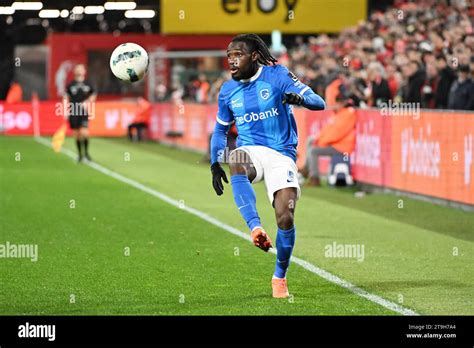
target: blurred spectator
461 95
446 78
161 91
15 93
337 137
335 88
216 87
177 93
394 81
136 130
415 78
202 92
429 87
378 85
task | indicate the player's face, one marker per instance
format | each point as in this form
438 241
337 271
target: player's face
79 72
242 63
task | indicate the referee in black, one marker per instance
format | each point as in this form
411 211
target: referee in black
79 102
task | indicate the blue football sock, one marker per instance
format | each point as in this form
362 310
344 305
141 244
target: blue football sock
244 197
285 242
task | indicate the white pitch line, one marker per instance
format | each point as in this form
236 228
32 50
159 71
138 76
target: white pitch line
305 264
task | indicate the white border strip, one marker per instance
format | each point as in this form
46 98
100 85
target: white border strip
304 90
305 264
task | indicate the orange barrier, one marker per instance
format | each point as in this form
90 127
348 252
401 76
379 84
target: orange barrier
430 154
433 155
186 125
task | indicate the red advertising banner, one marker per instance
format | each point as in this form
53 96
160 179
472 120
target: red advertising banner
16 118
432 155
371 156
111 119
108 119
50 117
187 125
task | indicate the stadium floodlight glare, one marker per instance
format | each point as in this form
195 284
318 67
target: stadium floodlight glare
6 10
120 5
64 13
140 13
34 5
94 10
49 13
78 10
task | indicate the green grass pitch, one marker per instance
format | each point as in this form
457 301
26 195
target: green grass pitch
122 251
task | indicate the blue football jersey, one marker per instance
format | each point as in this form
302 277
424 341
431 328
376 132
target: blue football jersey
255 105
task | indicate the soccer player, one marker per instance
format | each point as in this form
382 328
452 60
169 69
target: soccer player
260 99
79 98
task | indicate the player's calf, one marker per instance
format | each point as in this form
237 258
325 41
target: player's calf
286 233
242 173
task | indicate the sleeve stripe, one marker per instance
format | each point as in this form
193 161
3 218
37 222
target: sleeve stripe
304 90
224 123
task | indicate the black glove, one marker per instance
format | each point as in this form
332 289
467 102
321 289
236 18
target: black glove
293 98
217 174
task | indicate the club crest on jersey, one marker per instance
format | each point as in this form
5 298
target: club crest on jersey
265 94
291 176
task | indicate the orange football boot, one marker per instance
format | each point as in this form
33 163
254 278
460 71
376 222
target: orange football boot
261 239
280 288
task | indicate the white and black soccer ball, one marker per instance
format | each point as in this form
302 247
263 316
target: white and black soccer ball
129 62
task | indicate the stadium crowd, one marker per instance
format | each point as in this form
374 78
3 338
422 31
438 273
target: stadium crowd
419 52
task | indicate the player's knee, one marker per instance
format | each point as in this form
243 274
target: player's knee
285 219
236 165
236 168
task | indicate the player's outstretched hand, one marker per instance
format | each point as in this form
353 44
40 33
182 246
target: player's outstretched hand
293 98
217 174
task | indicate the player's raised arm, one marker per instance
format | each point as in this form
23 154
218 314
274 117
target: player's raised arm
218 143
297 93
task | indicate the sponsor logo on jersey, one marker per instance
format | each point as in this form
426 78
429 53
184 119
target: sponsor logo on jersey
254 116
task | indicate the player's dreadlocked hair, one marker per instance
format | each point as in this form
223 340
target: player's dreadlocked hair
255 43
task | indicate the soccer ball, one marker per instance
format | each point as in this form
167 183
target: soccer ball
129 62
